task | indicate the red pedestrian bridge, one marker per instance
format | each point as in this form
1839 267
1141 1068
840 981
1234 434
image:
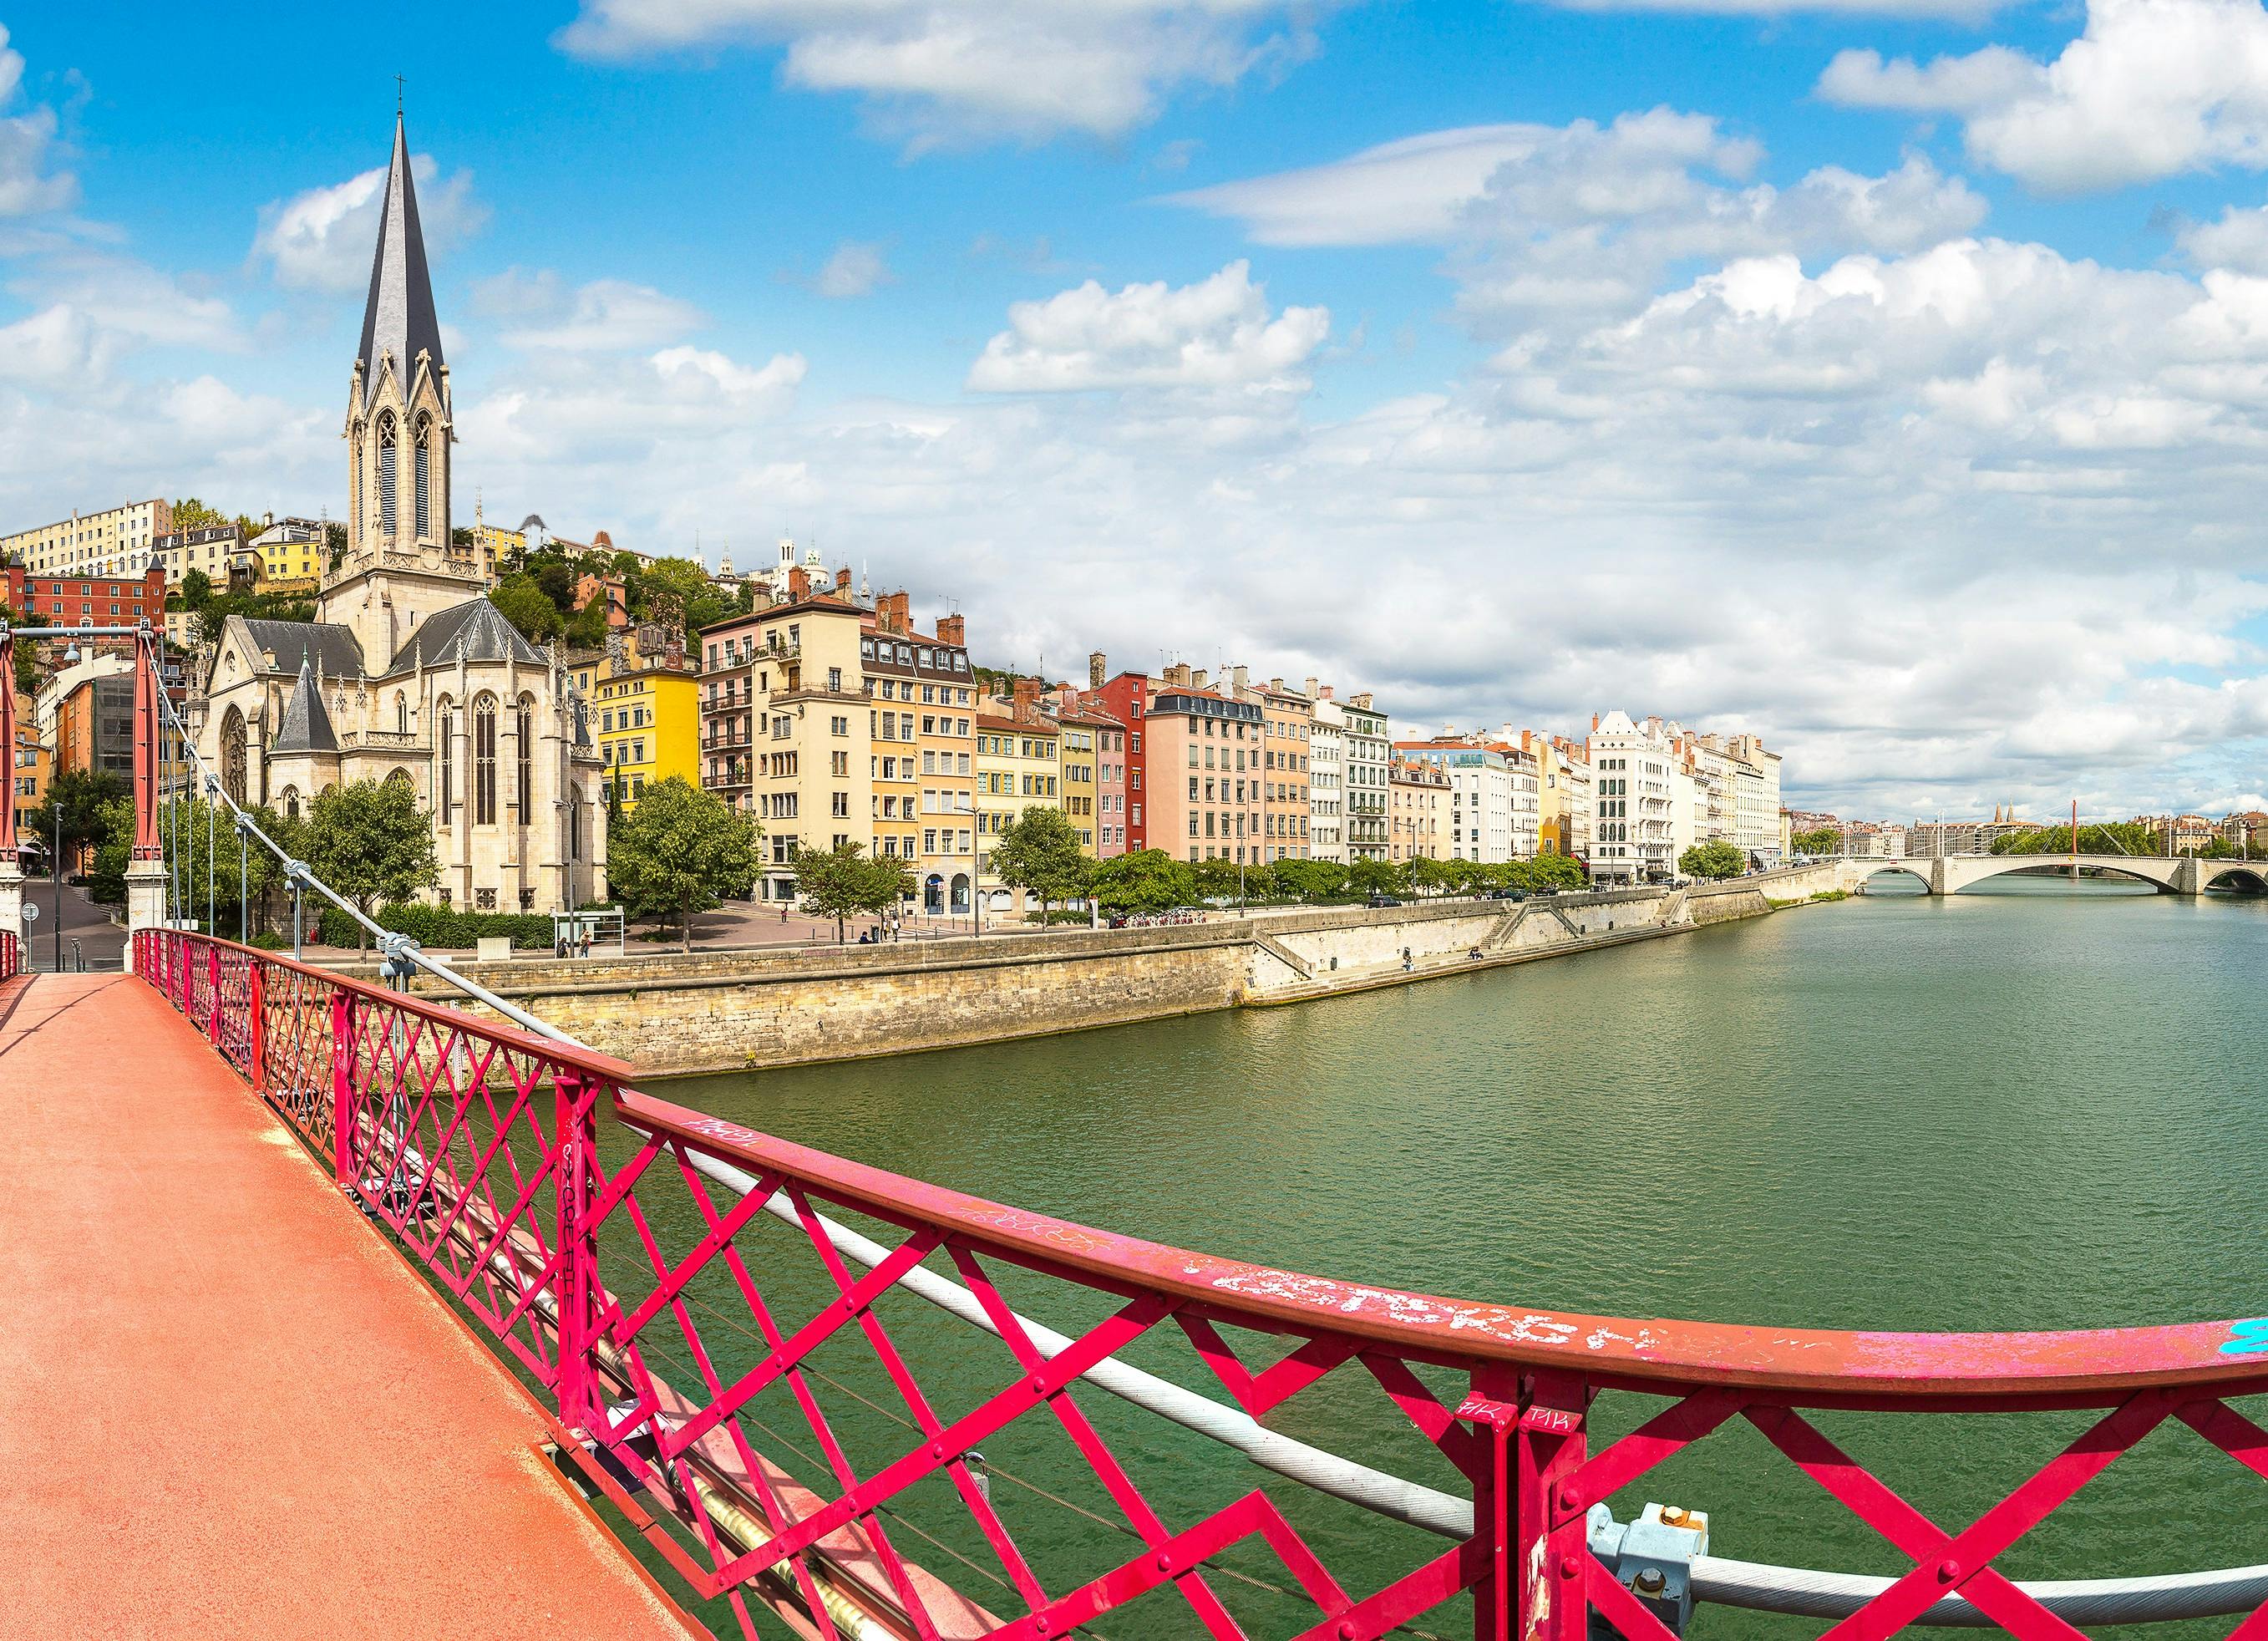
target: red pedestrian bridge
259 1214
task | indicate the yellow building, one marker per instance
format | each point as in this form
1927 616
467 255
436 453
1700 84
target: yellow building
1076 751
1019 766
115 541
923 797
648 729
291 554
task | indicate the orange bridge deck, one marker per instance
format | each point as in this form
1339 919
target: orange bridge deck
226 1407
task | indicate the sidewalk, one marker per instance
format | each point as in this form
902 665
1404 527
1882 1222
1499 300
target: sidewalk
226 1407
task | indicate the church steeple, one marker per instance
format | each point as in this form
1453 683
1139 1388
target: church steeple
399 319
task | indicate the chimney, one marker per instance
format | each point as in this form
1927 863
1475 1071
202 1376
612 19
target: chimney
1197 678
901 612
1360 702
843 579
1594 723
1313 693
1097 668
951 630
1328 688
1178 674
1242 680
1027 697
1276 685
799 583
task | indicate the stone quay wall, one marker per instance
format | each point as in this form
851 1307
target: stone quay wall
668 1012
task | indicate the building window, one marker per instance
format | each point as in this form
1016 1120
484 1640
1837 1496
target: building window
447 736
523 733
386 458
484 739
485 900
425 476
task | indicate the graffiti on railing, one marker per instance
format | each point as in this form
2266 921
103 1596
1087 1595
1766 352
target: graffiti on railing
866 1430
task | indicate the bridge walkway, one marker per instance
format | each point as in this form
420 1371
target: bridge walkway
226 1409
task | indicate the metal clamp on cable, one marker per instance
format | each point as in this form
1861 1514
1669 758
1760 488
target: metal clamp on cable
397 957
1653 1556
298 875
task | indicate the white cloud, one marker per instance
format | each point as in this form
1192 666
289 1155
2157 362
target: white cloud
1585 217
2237 241
605 315
1215 334
2150 89
854 268
1956 9
323 239
1015 68
28 148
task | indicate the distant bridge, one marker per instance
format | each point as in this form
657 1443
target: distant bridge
1950 874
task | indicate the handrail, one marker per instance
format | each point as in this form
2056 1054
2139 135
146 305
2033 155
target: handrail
2073 1368
391 1082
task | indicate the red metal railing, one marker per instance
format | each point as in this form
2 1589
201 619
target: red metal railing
12 955
705 1341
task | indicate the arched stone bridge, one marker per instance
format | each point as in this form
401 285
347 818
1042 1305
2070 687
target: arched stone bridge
1949 874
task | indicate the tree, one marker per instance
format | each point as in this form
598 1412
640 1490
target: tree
1310 880
680 851
370 842
28 654
521 601
1554 871
1371 875
1818 841
189 513
81 796
1713 859
1040 852
1143 884
1216 879
846 881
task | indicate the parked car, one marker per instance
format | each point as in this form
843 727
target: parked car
1505 894
1384 900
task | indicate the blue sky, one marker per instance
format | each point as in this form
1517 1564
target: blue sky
1889 380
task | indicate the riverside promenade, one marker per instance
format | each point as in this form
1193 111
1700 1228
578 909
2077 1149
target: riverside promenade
226 1407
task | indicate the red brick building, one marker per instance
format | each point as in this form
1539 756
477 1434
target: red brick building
87 600
1126 698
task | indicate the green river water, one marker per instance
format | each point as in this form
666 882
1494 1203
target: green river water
2040 1105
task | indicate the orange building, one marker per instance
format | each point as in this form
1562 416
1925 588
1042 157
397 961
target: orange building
1207 774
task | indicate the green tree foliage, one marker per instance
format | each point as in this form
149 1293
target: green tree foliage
680 851
522 602
676 593
1372 876
197 590
1143 884
370 842
1217 880
210 861
189 513
81 796
1311 880
1712 859
1553 871
1818 841
218 607
846 881
1040 852
27 653
2111 838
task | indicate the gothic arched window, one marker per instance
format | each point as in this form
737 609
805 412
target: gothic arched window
291 803
484 758
401 713
575 832
523 736
232 754
425 476
444 738
387 459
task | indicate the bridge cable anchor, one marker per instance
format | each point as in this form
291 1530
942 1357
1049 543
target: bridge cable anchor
1653 1557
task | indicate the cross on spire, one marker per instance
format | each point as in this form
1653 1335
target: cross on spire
397 93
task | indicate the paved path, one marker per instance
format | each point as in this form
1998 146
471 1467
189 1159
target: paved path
226 1407
101 942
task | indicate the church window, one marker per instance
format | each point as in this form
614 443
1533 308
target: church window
484 750
425 476
401 713
523 736
446 797
386 461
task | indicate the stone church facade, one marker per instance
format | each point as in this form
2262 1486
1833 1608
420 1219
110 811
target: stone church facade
409 673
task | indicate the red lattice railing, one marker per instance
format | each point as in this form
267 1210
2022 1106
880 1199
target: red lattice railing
775 1402
12 955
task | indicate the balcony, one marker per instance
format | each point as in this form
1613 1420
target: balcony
388 740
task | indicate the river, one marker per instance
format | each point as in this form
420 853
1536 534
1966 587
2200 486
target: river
2037 1104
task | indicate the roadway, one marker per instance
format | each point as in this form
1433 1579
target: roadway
226 1406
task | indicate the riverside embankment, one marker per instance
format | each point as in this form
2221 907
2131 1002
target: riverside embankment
749 1007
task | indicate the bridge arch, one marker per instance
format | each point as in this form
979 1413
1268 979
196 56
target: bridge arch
2243 877
1918 873
1968 872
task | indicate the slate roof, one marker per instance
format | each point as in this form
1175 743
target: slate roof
333 647
472 630
399 318
306 726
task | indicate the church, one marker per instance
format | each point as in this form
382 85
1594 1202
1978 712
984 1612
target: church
409 673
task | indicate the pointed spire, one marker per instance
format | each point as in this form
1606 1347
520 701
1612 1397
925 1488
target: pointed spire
399 319
306 726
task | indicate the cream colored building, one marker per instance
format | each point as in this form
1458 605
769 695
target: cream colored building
115 541
408 673
1417 811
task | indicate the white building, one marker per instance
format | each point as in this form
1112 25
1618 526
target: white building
113 542
1480 794
1367 754
1641 801
1326 777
